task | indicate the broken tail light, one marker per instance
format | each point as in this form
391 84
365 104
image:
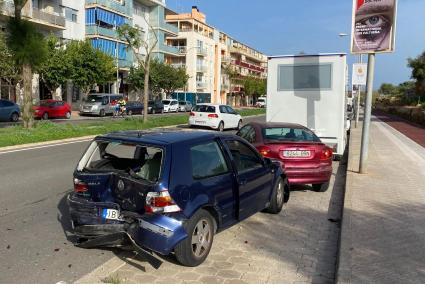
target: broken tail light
80 186
160 202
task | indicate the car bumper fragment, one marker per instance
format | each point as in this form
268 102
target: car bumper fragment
154 232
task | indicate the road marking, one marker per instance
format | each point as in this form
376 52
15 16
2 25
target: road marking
45 146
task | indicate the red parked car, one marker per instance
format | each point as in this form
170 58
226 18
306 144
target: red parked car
304 158
52 108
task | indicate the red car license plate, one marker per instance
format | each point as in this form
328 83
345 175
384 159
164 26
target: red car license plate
296 153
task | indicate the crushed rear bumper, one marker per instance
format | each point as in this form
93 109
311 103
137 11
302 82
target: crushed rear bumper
150 232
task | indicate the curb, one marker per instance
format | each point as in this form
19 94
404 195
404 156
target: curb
76 139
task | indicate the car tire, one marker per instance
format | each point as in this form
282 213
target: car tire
280 196
45 116
221 126
193 250
68 115
14 117
239 125
102 113
129 113
321 187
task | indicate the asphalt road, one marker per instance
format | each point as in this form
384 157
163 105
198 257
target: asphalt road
34 224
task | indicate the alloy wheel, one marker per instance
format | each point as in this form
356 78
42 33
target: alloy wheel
201 238
279 194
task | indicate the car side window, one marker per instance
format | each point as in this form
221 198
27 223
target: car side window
230 110
223 109
244 131
207 161
251 137
244 157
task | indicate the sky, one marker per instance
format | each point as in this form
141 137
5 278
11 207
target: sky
277 27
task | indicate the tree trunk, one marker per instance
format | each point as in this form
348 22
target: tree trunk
146 91
27 114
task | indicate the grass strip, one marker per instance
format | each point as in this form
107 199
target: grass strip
48 131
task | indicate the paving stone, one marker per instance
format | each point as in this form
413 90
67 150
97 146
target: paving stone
226 273
187 275
211 280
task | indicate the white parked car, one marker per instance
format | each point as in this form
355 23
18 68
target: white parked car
170 105
185 106
215 116
261 102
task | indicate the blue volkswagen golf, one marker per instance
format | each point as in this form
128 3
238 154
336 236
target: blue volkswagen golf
170 191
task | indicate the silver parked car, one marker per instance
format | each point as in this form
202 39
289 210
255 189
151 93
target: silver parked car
100 104
185 106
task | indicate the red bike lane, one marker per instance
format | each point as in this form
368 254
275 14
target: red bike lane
413 131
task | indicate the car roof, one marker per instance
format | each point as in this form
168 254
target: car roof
277 124
161 136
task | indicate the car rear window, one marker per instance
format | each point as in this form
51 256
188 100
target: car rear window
207 161
204 108
94 98
289 134
139 161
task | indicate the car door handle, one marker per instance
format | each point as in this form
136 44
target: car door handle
242 182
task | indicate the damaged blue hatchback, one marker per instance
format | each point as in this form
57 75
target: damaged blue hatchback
170 191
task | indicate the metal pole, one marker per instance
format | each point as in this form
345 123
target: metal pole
359 89
367 114
117 88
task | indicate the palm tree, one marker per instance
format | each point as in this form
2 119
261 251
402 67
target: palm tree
29 50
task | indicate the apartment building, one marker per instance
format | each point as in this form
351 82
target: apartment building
206 53
63 18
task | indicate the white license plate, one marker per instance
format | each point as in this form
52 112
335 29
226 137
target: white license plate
111 214
296 154
199 122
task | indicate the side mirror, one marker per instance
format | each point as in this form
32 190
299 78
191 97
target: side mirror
267 161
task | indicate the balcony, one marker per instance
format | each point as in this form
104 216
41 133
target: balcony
257 57
168 28
35 15
201 51
96 31
201 85
178 65
112 5
226 59
201 68
249 66
168 49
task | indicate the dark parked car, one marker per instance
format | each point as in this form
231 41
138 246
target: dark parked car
134 107
132 186
9 111
304 157
155 107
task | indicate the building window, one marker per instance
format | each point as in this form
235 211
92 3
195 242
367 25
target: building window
139 10
70 14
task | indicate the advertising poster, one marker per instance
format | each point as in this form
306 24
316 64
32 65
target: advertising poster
359 75
373 28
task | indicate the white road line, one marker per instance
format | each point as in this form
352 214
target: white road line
45 146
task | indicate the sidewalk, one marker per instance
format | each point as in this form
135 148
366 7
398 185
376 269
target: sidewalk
383 228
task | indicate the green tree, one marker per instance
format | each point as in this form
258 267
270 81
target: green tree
55 70
254 86
88 65
387 89
232 75
418 72
134 36
29 50
9 72
165 77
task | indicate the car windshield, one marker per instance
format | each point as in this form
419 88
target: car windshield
182 103
166 102
261 100
204 108
94 99
289 134
138 161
